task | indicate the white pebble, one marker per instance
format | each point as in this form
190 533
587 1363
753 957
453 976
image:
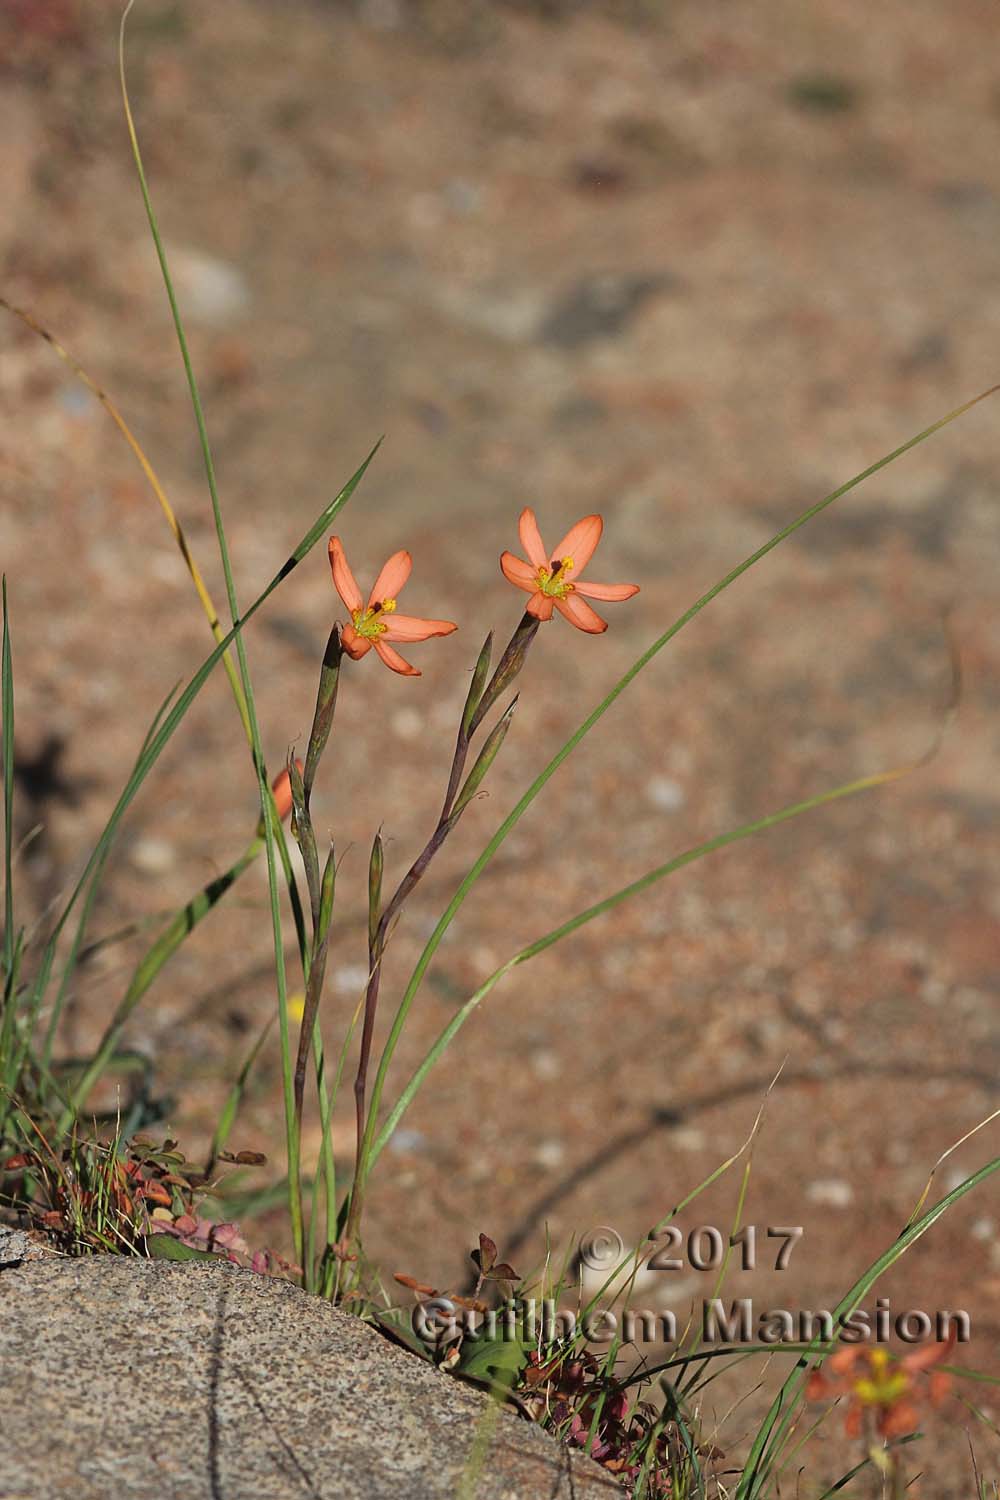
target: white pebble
665 793
152 856
832 1192
351 979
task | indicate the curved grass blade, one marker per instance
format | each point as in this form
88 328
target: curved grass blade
234 1099
76 946
7 711
182 925
767 1445
635 888
594 717
157 742
272 828
153 480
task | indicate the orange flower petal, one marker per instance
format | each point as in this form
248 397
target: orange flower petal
521 574
611 593
394 660
843 1362
939 1384
579 542
540 605
355 645
899 1419
854 1420
531 539
343 579
930 1353
413 628
391 579
579 613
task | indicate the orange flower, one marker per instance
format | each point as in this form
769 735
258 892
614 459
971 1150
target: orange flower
376 623
545 576
891 1388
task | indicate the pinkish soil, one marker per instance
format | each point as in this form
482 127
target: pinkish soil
692 272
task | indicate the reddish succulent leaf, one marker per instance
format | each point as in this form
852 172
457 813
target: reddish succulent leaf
473 1304
414 1286
155 1192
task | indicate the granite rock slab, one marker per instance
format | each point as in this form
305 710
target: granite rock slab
133 1378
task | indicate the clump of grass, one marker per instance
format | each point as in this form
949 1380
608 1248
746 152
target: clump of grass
115 1196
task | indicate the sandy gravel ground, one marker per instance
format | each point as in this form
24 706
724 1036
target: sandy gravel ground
692 269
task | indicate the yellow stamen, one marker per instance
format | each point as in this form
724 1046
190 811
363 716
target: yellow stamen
885 1382
555 583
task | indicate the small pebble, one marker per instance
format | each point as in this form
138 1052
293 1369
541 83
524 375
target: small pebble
832 1192
152 856
665 793
407 723
351 979
407 1140
550 1154
546 1064
210 291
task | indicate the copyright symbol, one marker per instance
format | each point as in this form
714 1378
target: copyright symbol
602 1249
433 1319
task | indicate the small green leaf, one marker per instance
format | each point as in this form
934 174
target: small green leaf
165 1247
495 1362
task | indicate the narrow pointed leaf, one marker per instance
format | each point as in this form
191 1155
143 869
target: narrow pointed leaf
375 868
487 756
476 686
302 832
326 704
328 890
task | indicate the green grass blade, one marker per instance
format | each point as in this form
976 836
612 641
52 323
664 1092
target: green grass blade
158 741
234 1099
77 945
272 829
10 1059
7 710
766 1447
635 888
514 817
865 1463
182 925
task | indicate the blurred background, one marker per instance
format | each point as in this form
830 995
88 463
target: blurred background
689 265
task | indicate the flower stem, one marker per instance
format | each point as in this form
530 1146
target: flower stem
507 669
